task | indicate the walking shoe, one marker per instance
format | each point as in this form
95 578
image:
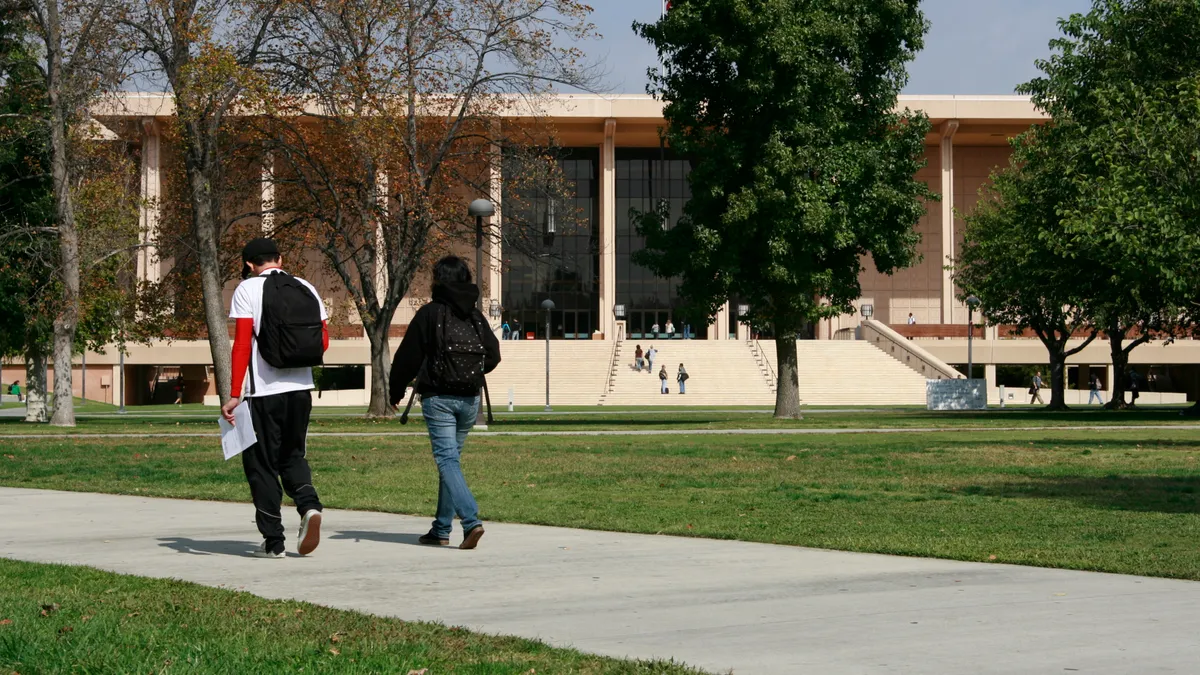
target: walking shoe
432 539
310 532
263 552
471 538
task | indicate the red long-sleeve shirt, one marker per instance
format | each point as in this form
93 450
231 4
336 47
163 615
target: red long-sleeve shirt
243 338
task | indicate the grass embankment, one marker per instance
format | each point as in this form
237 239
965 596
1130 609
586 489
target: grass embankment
56 619
599 419
1117 501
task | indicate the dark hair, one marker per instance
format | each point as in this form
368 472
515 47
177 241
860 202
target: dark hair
451 269
264 259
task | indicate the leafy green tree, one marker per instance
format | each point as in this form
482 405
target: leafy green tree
1011 261
801 166
1122 90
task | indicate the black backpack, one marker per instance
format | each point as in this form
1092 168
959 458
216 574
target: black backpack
290 334
457 364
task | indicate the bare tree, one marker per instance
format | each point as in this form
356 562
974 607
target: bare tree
206 52
387 111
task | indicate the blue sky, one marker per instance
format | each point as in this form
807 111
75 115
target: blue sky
973 46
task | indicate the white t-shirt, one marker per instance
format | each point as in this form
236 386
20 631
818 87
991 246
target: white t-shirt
266 379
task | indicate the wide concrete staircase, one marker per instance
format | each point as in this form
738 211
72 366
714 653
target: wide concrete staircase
578 372
850 372
722 373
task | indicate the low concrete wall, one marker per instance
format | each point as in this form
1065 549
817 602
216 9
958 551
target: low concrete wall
1079 397
906 351
956 394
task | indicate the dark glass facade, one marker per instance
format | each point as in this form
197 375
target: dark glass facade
645 177
567 272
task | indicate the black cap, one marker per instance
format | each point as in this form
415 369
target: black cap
259 246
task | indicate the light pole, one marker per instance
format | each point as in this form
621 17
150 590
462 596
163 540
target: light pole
548 305
480 208
972 303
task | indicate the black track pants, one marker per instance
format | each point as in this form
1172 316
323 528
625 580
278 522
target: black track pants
281 424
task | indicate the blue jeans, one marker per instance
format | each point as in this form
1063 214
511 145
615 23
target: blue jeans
449 418
682 387
1097 396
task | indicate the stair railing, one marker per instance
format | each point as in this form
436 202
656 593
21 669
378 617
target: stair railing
612 367
761 356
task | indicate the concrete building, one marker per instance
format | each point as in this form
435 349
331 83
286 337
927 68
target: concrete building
613 162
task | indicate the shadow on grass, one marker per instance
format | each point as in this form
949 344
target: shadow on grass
240 549
1159 494
381 537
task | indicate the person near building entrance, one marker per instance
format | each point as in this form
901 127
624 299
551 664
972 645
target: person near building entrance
650 354
654 328
280 334
507 331
1095 395
912 320
670 328
662 377
15 390
516 329
448 349
179 391
1035 387
1135 385
682 378
638 359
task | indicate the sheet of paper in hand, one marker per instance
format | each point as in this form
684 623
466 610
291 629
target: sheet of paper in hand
240 435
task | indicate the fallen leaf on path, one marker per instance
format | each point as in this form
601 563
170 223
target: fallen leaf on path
10 456
422 671
992 557
5 622
791 458
336 637
334 651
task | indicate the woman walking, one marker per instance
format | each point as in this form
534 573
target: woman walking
448 348
662 377
682 378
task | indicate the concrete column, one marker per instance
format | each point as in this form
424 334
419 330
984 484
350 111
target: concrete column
721 326
268 194
495 252
947 161
148 262
381 276
608 230
1109 380
366 385
989 374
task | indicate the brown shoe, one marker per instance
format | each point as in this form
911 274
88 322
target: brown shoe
310 532
471 539
431 540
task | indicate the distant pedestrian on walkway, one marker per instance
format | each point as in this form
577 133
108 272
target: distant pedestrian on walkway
448 349
654 328
178 391
516 330
280 334
1135 385
1035 387
662 376
670 328
15 390
682 378
1095 394
638 359
650 354
507 331
912 320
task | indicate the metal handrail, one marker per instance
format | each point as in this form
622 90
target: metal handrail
612 365
758 350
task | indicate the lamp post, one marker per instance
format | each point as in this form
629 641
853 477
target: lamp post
972 303
548 305
480 208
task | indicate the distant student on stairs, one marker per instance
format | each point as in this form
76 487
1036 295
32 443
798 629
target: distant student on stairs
662 376
682 378
280 335
638 358
650 354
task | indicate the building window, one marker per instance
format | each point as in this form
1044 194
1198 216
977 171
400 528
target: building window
568 272
645 177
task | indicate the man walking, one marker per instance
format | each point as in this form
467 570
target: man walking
1035 388
1095 394
650 354
280 334
448 349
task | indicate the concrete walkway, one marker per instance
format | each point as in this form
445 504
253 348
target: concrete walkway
721 605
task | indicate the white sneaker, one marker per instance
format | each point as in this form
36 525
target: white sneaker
262 552
310 532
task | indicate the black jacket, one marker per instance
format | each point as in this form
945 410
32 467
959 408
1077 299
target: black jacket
420 338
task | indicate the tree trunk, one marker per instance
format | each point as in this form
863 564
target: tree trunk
35 387
1058 377
787 389
381 364
1120 362
207 234
67 318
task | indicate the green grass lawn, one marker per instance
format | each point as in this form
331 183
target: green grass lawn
57 619
1117 501
204 421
